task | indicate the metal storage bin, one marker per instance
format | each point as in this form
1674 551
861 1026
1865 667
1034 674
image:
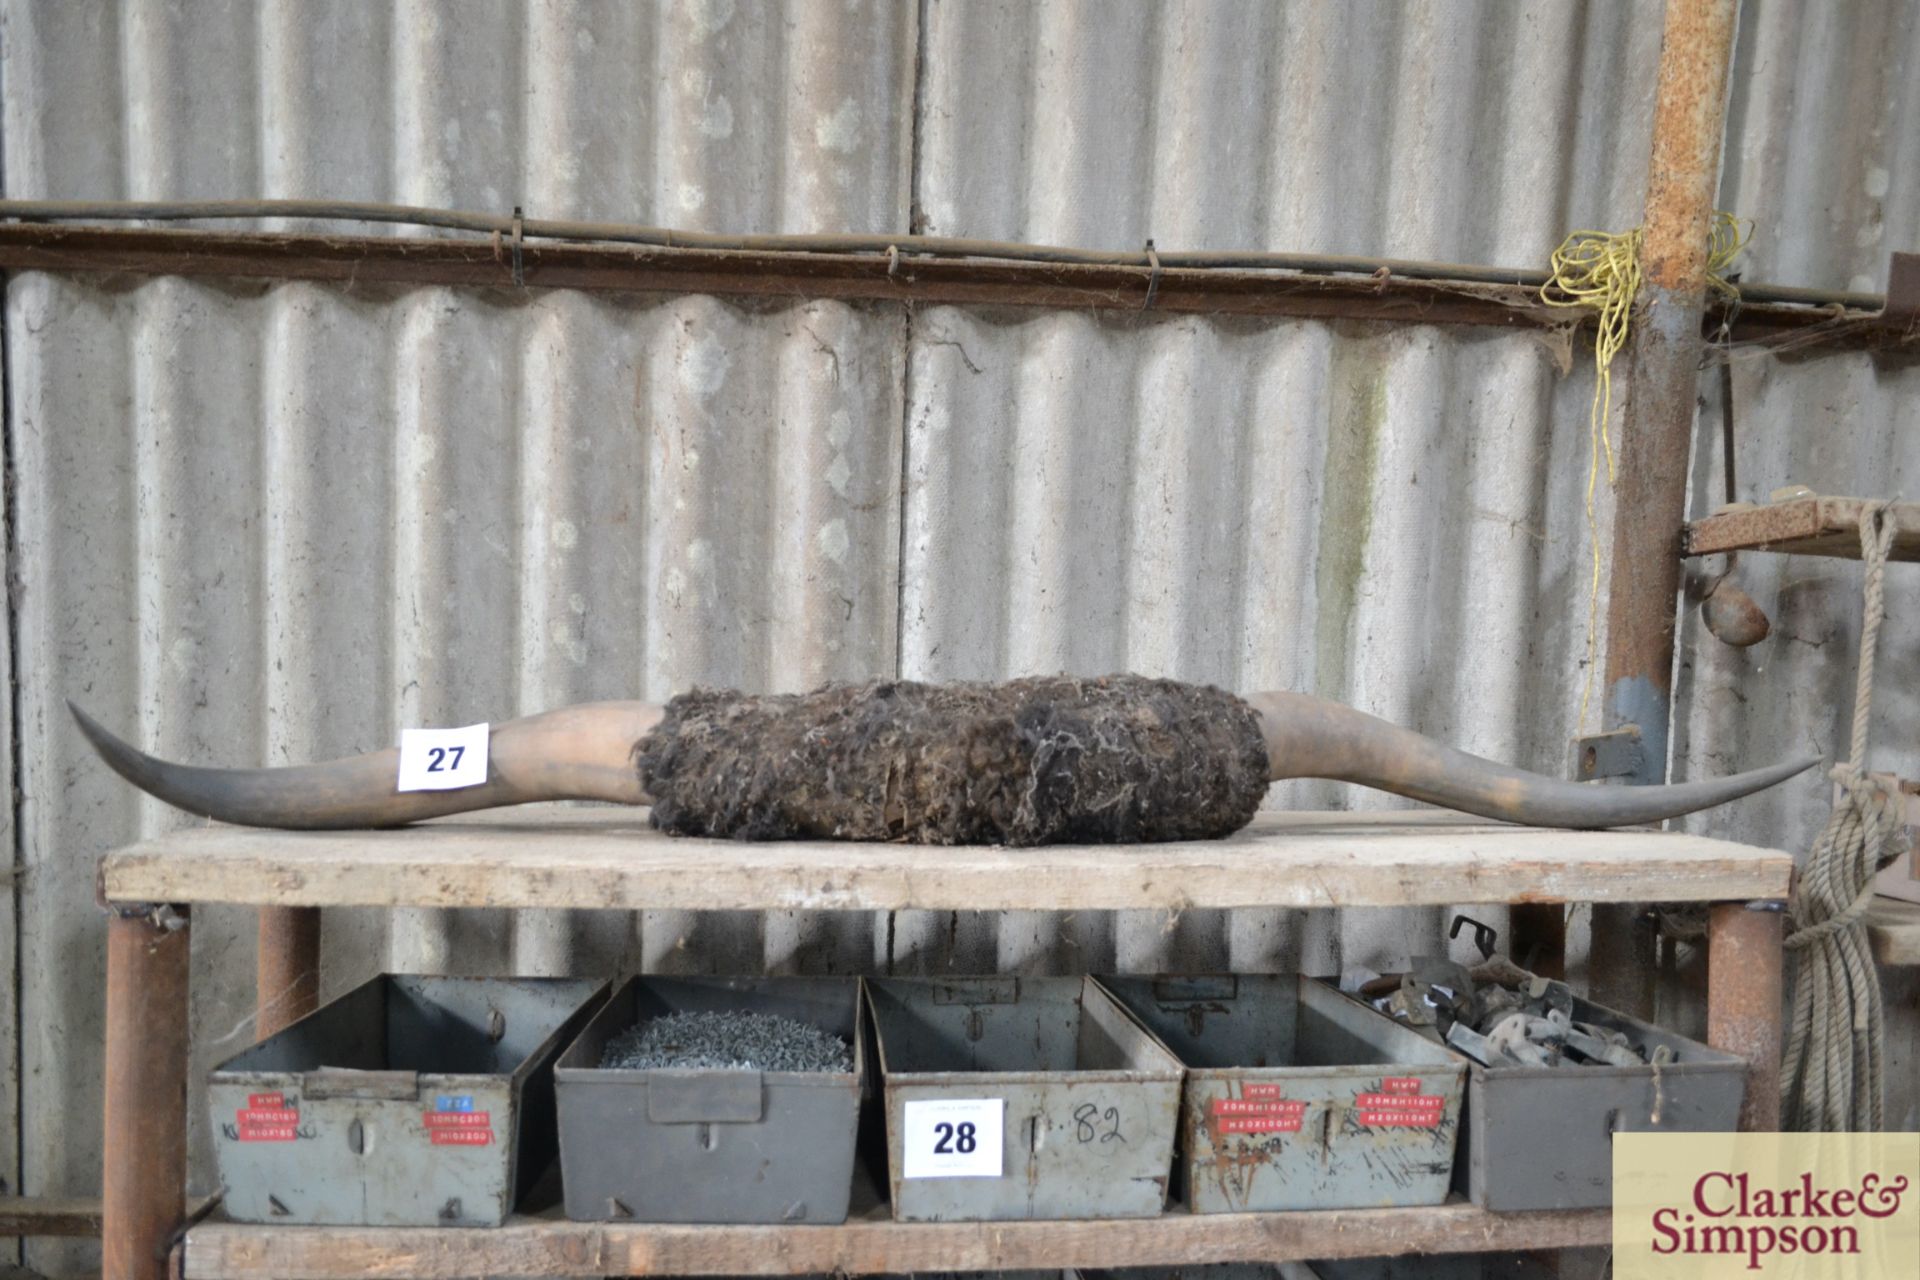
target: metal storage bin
409 1101
1073 1098
1542 1137
711 1145
1298 1098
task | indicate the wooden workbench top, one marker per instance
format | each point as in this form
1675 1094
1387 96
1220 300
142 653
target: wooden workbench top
557 856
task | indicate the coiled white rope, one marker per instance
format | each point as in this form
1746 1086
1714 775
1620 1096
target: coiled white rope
1832 1077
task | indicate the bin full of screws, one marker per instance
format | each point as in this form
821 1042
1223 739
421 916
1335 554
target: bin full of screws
714 1100
1552 1077
409 1101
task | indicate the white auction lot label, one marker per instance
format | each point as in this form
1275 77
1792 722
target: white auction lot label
953 1138
443 759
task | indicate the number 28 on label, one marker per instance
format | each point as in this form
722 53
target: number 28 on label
952 1138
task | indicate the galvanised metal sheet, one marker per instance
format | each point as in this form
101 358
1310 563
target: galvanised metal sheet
1820 154
281 523
426 560
247 521
1823 127
1287 504
1394 518
1844 424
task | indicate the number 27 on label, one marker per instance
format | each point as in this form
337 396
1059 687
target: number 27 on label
442 759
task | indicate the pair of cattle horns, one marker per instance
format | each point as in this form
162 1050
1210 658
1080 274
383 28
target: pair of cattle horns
1033 761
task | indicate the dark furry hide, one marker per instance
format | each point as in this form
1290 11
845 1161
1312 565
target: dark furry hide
1021 762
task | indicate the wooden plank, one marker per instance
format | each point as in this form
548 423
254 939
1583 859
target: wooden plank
1893 928
1816 526
49 1216
550 1248
610 858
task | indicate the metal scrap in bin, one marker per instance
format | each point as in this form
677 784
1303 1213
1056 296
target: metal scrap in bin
1542 1137
1552 1077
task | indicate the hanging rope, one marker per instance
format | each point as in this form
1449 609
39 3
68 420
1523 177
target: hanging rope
1600 270
1835 1048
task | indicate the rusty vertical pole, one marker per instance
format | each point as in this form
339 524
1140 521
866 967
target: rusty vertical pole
286 975
144 1152
1539 937
1656 434
1745 972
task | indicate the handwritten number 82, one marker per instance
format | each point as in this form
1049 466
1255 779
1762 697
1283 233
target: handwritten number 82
1087 1118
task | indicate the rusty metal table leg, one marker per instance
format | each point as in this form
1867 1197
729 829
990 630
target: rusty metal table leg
144 1187
1745 962
1538 937
1656 437
286 983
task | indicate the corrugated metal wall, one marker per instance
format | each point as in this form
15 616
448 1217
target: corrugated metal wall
282 522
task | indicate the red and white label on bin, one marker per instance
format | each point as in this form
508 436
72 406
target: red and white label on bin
459 1128
1258 1109
267 1118
1399 1105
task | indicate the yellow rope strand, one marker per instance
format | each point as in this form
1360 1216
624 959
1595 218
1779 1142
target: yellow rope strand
1600 271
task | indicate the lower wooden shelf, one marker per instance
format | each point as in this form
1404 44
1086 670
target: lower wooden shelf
871 1244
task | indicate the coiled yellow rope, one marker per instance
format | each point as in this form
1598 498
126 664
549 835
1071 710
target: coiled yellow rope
1600 270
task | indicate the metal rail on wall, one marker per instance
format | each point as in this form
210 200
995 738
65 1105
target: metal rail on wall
516 251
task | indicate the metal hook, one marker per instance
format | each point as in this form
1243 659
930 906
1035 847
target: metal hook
1153 280
1484 935
519 229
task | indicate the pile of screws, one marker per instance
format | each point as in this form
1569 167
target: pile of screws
732 1040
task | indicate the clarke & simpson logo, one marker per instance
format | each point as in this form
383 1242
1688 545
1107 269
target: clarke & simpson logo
1727 1216
1783 1206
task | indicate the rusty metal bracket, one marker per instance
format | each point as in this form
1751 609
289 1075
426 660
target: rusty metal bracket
1002 990
1903 290
519 236
1153 280
1618 753
1484 935
167 917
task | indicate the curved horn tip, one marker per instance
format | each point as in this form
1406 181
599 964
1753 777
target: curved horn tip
99 735
121 756
1788 769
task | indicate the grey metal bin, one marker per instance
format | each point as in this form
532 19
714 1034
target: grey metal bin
1542 1137
1298 1098
1012 1098
409 1101
711 1145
